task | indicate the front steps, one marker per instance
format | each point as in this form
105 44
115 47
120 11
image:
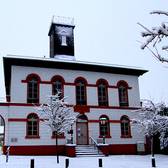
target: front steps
88 150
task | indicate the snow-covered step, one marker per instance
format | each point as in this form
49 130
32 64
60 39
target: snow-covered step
88 150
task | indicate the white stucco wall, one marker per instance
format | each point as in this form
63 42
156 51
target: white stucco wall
19 89
17 129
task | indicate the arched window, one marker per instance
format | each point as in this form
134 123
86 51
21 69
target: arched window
80 91
123 93
32 125
33 89
102 92
125 127
104 126
57 85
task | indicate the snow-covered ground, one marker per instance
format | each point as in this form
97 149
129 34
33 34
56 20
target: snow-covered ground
115 161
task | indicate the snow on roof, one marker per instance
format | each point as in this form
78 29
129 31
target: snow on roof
63 20
74 61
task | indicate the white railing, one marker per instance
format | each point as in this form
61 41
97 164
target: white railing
94 143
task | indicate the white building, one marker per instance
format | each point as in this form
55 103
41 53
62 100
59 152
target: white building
95 92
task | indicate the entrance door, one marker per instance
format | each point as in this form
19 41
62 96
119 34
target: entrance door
2 133
82 131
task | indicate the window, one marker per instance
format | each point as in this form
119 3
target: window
104 126
102 93
80 92
32 125
63 40
33 89
123 93
57 87
125 127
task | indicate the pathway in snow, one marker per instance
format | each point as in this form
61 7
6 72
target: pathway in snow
115 161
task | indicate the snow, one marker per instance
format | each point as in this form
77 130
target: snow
154 36
56 113
152 119
115 161
64 57
74 61
63 20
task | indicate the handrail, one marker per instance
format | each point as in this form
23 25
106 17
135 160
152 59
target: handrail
94 142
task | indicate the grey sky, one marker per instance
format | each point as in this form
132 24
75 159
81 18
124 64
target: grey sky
106 31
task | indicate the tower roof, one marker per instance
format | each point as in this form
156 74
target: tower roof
61 21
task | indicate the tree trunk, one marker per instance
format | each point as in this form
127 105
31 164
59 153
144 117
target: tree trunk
57 147
152 152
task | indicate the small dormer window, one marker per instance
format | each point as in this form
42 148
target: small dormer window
63 40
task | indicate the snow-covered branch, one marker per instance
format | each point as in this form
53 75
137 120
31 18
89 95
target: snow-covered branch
154 36
56 114
159 12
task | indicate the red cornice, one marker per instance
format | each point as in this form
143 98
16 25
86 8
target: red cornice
75 106
90 121
21 119
17 119
114 107
19 104
97 121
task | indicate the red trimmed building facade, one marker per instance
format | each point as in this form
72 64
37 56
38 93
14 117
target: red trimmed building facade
104 98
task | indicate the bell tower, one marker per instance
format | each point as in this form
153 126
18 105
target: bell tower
61 36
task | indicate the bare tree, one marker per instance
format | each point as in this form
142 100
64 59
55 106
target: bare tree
57 115
152 121
155 38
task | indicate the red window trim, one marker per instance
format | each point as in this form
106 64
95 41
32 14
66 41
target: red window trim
129 129
28 78
73 84
124 136
100 81
85 88
108 135
125 84
32 136
58 77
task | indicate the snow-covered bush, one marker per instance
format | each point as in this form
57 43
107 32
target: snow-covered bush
153 120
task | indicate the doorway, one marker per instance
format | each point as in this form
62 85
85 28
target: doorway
2 133
82 130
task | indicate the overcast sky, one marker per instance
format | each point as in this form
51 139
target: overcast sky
106 31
